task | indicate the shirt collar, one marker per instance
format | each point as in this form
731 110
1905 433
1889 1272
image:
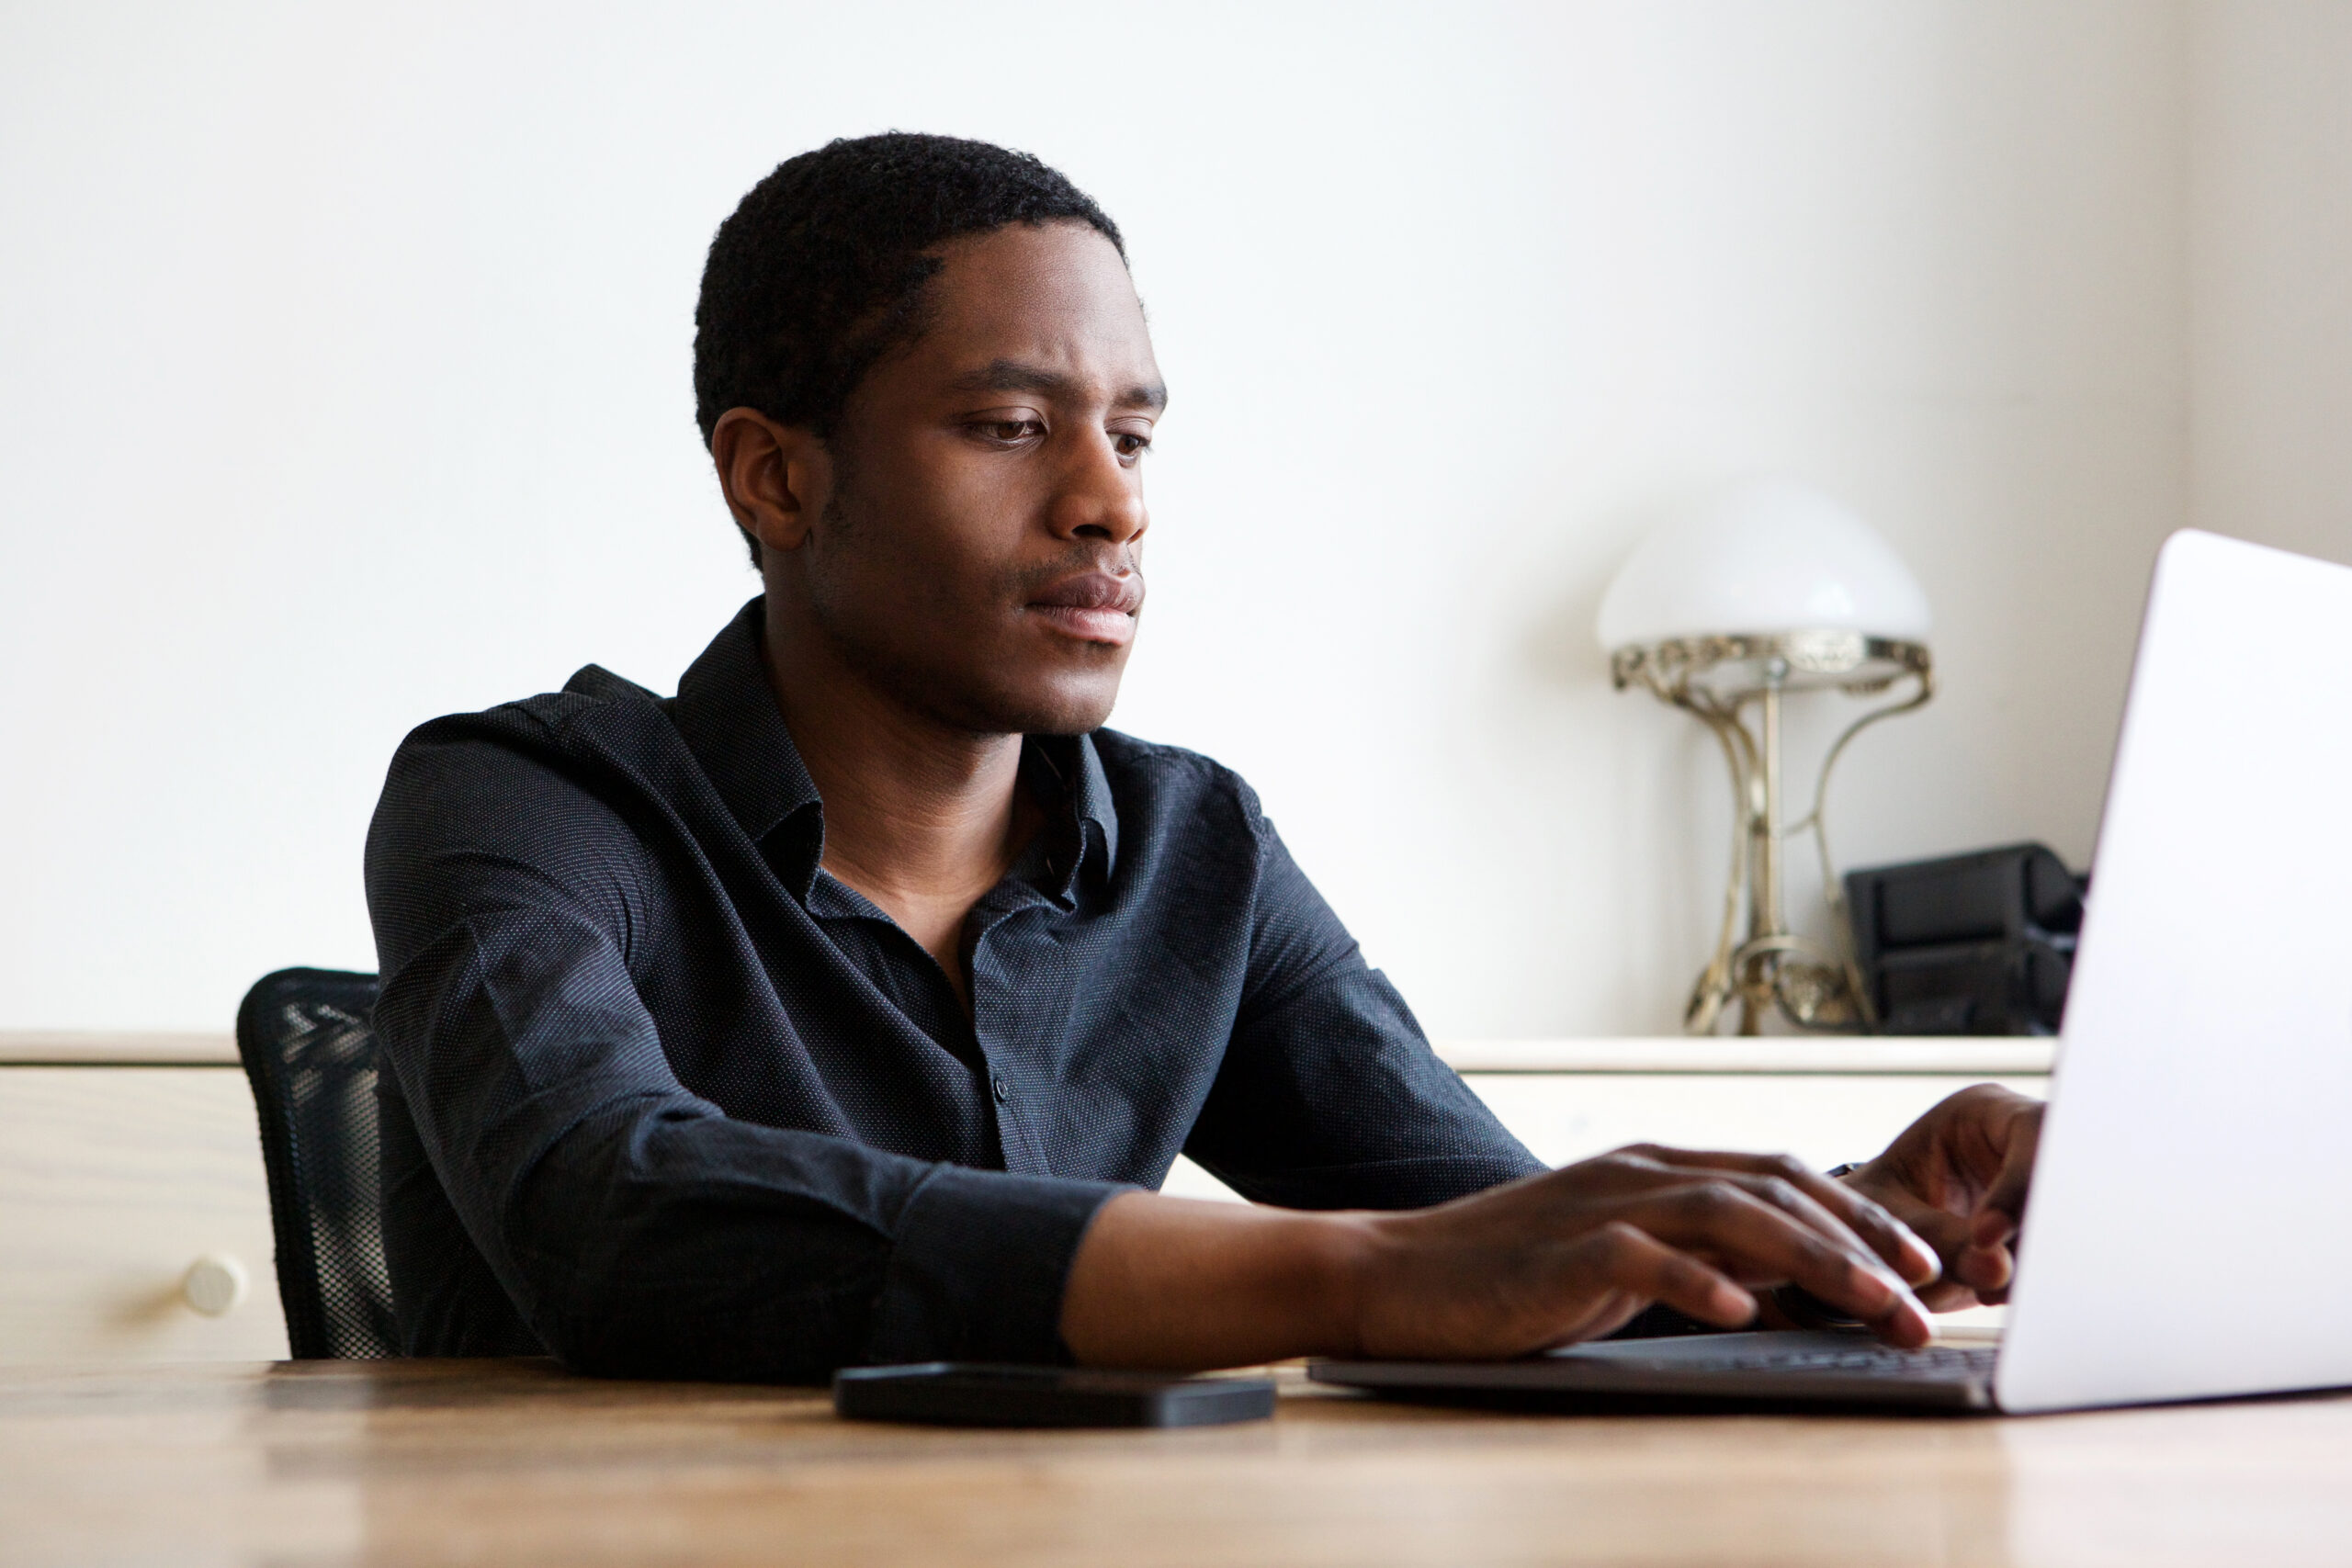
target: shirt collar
1073 769
731 722
730 719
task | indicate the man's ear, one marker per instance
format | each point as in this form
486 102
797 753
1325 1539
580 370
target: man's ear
776 476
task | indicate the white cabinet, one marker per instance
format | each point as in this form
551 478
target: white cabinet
1822 1119
1826 1101
134 1217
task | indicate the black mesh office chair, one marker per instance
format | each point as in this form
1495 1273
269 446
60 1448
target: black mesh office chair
310 1051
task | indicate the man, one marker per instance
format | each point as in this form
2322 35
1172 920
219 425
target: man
848 1006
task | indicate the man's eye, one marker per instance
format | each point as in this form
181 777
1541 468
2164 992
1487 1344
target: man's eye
1010 430
1129 443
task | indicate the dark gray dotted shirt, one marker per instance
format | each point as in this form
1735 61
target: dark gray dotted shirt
666 1099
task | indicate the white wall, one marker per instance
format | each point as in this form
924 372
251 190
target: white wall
2271 261
344 381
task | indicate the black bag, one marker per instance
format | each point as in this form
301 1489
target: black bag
1979 944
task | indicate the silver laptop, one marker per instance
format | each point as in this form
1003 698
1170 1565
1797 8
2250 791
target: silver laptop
2186 1233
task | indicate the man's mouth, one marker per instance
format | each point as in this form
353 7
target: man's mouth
1092 606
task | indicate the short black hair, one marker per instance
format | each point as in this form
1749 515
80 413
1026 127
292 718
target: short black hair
820 270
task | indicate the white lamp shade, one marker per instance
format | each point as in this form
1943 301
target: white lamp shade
1762 558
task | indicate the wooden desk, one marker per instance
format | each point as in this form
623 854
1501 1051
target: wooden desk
514 1464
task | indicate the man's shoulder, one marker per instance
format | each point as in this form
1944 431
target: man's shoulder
1155 763
541 761
1147 777
596 712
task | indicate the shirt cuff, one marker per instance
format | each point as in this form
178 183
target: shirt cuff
979 1267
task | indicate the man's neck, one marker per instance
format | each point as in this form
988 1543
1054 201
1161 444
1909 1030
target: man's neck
922 818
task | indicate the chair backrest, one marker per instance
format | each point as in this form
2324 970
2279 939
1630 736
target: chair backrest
309 1045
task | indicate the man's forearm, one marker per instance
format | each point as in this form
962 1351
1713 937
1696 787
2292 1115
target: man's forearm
1571 1254
1175 1283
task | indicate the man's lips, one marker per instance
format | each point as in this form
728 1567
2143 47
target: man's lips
1093 606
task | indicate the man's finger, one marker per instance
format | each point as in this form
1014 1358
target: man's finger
1634 1261
1970 1270
1990 1262
1758 1243
1911 1257
1811 1199
2007 1196
1947 1234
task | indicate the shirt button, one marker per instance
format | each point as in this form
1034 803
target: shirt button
1004 1092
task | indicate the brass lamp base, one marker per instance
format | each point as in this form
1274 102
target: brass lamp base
1718 678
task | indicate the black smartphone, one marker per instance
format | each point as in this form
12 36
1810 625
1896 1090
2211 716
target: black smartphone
976 1394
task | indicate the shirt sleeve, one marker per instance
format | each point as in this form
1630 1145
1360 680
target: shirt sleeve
1329 1096
637 1228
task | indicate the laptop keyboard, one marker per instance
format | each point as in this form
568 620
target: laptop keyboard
1878 1361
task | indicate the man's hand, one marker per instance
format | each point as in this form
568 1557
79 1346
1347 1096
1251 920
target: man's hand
1957 1176
1569 1255
1576 1254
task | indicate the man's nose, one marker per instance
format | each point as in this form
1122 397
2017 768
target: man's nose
1100 496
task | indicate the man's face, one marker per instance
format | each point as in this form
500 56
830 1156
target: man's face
977 553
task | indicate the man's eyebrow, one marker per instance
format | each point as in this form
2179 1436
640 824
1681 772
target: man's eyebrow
1011 376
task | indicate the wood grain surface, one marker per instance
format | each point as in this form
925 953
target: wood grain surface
517 1463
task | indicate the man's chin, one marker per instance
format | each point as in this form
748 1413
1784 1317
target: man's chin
991 689
1046 707
1062 717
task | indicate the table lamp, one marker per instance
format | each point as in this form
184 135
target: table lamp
1766 591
